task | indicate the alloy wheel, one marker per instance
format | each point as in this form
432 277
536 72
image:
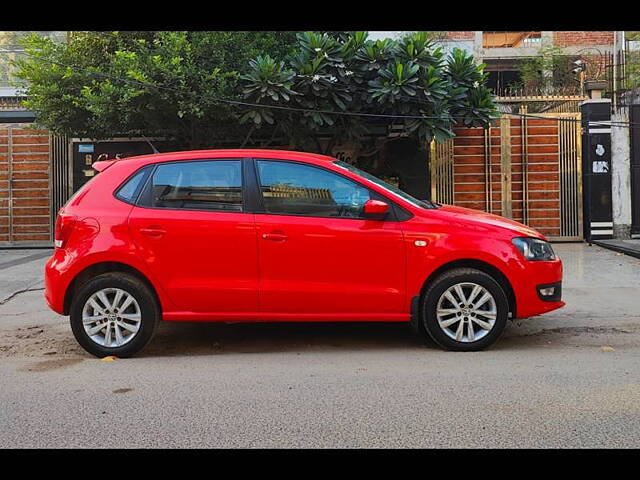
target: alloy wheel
466 312
111 317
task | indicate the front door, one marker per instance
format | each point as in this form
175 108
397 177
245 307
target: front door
192 229
317 254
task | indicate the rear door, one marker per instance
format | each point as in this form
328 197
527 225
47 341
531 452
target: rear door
192 228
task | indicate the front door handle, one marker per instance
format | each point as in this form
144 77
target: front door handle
274 236
153 231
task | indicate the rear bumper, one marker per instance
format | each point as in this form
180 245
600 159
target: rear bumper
536 276
55 280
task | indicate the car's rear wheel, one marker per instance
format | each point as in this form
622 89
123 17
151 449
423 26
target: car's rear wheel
114 314
465 309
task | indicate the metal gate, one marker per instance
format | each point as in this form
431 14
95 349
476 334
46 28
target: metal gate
61 175
24 186
513 164
570 157
441 171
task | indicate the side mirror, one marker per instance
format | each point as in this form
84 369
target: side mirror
376 210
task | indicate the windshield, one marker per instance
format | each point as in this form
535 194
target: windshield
381 183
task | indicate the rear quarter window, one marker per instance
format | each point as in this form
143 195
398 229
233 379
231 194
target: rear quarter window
131 188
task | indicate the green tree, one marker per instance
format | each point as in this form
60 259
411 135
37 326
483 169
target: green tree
346 73
406 83
105 84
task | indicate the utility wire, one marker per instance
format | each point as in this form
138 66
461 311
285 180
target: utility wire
309 110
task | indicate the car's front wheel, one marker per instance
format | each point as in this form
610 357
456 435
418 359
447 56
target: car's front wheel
114 314
465 309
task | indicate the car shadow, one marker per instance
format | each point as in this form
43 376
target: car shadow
201 338
197 338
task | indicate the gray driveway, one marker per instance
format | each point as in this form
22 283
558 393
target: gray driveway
547 383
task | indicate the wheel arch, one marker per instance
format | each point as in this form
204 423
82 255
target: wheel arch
104 267
483 266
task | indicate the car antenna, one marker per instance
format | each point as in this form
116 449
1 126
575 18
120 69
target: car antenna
155 150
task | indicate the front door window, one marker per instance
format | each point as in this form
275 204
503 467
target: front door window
295 189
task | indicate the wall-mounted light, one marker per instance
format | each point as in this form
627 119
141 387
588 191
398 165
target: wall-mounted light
579 66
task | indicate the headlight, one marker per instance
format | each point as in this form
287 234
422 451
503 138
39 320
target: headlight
534 248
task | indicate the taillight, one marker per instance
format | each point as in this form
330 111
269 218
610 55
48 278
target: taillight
64 227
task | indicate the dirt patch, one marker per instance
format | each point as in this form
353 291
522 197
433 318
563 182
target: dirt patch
38 340
54 364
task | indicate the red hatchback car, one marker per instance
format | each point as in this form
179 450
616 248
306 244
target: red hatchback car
267 235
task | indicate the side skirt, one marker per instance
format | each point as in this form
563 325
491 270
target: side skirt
283 317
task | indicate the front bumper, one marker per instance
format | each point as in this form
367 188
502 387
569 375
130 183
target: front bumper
536 276
550 292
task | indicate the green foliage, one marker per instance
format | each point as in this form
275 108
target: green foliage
105 84
552 68
632 70
632 36
632 63
346 72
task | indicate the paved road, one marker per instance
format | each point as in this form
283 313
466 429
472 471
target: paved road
547 383
21 270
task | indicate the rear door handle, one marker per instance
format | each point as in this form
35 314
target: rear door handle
153 231
274 237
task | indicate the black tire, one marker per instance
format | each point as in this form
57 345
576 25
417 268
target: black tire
440 285
149 313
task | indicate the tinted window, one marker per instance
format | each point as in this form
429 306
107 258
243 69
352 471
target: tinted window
129 191
296 189
386 186
208 185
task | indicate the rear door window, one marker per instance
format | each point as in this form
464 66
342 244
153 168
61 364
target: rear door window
199 185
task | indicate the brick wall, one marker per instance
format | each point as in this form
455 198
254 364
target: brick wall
574 38
560 38
463 35
470 187
24 166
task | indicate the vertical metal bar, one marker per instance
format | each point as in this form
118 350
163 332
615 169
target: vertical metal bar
52 193
576 133
525 166
487 172
70 167
562 179
505 167
567 190
574 178
10 178
578 160
490 173
442 173
567 174
561 176
433 170
452 172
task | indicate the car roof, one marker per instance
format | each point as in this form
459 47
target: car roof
232 153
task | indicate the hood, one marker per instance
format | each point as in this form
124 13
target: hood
478 217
